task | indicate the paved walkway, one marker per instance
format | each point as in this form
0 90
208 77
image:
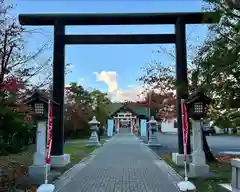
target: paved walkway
123 164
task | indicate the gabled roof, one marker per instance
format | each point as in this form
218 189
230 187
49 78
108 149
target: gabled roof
139 110
37 94
124 108
114 107
198 94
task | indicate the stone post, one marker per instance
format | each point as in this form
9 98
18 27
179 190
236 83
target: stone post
37 171
133 131
93 140
134 126
198 167
138 127
152 141
131 124
118 126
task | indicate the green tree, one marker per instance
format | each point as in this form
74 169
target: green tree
218 63
78 111
101 104
81 106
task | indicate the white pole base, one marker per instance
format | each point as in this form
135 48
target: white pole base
186 186
46 188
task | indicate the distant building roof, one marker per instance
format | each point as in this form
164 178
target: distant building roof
139 110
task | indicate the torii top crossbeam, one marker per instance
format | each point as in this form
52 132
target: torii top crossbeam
118 18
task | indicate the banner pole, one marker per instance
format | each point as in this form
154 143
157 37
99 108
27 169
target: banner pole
185 169
46 174
185 137
185 185
46 163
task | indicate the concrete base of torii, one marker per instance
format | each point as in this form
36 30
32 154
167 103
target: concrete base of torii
178 159
60 160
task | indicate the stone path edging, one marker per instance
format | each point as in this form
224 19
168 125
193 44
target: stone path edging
174 176
151 151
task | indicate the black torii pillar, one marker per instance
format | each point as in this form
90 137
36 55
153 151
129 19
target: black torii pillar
59 21
58 88
182 79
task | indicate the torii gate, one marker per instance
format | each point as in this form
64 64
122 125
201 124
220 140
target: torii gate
125 116
59 21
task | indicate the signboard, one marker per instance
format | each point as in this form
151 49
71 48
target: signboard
110 125
143 126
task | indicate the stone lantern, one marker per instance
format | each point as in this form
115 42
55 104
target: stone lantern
152 141
197 104
39 104
93 140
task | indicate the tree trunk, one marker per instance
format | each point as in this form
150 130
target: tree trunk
208 153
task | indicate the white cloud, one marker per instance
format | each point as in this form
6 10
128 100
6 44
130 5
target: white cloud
126 95
108 77
116 94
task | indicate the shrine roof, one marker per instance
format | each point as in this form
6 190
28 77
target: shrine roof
138 110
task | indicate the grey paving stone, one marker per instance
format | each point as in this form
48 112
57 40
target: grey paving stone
123 164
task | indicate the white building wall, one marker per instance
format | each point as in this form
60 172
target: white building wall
168 126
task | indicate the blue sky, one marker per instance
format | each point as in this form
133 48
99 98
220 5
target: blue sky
123 61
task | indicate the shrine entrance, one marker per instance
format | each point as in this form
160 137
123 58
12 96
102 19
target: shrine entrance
126 122
59 21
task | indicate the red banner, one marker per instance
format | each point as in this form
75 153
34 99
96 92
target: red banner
116 125
49 130
135 127
185 127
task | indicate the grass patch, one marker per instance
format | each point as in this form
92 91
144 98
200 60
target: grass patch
15 166
222 169
102 140
78 149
